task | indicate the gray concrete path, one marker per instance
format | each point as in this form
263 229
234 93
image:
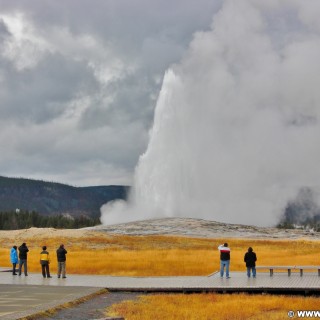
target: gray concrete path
34 290
22 296
18 301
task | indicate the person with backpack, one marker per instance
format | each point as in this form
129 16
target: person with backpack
250 259
45 261
14 259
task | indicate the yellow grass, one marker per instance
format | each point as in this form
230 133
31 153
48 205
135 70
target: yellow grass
211 306
159 255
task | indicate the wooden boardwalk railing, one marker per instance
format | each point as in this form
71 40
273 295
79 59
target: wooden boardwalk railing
289 268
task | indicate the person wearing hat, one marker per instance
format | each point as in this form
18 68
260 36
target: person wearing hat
61 257
14 259
44 261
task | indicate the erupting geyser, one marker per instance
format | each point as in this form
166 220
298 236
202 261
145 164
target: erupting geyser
236 127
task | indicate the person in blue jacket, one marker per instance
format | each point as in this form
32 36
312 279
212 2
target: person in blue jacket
14 259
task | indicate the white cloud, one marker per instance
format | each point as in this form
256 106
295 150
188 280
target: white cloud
79 82
23 48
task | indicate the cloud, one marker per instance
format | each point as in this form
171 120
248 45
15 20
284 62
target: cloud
79 83
237 121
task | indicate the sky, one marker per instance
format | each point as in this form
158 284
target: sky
79 82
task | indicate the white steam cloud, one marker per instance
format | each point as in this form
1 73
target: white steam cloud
236 126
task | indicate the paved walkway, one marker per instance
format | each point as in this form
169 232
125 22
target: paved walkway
18 301
22 296
34 291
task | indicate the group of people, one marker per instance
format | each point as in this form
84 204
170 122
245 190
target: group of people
22 259
250 259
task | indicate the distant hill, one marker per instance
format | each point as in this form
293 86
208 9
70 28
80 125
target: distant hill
52 198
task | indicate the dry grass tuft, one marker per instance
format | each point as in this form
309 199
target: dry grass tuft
211 306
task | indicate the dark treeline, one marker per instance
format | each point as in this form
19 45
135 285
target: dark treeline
26 219
51 198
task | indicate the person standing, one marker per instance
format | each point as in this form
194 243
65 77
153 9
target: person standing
44 261
61 257
23 256
14 259
224 259
250 259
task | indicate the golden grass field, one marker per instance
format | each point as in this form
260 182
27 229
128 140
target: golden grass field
93 252
212 307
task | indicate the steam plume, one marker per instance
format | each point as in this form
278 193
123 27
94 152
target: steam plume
236 126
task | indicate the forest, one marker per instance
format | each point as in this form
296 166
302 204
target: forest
51 198
13 220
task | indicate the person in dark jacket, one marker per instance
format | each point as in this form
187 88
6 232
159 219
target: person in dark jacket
61 257
44 261
14 259
23 256
224 259
250 259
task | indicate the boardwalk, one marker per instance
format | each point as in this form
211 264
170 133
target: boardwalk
237 283
309 282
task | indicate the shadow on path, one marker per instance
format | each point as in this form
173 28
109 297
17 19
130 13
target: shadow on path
93 308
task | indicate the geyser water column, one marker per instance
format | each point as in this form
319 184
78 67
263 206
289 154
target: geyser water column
164 175
236 127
